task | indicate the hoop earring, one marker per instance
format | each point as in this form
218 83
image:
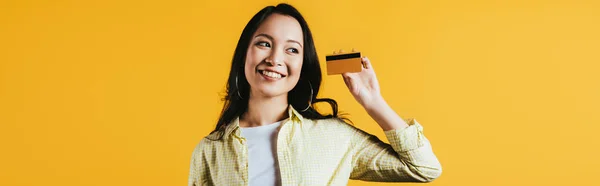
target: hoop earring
237 88
310 99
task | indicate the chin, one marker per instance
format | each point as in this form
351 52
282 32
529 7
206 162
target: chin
272 89
273 93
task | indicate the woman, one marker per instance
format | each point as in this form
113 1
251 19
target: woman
269 133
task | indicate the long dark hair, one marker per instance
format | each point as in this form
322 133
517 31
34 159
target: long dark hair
237 94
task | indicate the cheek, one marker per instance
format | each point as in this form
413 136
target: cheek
295 69
252 60
250 55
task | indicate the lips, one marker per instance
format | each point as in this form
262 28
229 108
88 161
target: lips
271 74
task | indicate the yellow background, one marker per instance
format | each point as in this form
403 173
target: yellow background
120 92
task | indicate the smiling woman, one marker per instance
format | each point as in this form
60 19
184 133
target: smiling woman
274 58
262 139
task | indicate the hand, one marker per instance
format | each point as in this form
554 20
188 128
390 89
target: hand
364 85
365 88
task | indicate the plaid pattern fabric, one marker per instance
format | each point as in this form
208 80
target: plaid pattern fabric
319 152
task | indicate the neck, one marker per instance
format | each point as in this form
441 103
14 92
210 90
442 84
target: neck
264 110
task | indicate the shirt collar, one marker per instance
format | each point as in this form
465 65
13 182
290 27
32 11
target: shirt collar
293 115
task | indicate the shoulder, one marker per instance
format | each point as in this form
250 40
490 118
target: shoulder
329 122
335 124
203 146
339 129
214 136
199 147
336 121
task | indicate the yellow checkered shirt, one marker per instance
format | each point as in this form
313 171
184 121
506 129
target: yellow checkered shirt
320 152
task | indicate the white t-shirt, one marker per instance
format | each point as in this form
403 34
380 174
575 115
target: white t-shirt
263 168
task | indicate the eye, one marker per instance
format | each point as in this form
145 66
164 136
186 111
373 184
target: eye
293 50
263 44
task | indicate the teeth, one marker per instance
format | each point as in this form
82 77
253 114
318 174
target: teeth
271 74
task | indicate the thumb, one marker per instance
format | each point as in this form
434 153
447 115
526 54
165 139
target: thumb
348 79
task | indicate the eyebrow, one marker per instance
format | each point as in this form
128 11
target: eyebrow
271 38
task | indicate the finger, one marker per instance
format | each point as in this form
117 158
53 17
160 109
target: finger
350 75
353 50
341 51
346 80
367 63
350 79
346 75
334 52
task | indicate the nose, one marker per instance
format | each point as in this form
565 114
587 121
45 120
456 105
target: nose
276 58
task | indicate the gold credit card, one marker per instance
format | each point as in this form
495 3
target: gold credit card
344 62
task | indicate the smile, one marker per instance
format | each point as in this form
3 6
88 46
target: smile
271 74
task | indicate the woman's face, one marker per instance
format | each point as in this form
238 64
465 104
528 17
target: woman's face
274 57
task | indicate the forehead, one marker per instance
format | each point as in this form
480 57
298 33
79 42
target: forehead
281 27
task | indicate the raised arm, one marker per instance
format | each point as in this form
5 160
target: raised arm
408 157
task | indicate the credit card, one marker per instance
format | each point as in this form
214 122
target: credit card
344 62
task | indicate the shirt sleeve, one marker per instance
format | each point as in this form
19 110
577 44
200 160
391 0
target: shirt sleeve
408 157
194 175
